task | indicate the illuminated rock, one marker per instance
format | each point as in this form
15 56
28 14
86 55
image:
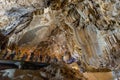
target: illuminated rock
89 29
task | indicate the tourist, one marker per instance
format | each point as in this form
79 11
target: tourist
24 57
78 62
4 56
55 59
12 55
47 58
31 56
18 54
40 58
71 60
82 70
36 58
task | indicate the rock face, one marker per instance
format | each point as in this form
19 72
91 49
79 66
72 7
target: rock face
89 29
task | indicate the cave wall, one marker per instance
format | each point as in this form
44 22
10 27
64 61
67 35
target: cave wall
88 28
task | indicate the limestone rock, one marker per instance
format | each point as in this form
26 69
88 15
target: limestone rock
89 29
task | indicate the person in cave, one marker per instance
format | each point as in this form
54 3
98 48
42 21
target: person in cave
71 60
36 58
55 59
47 59
24 57
18 54
13 54
82 70
40 58
67 58
5 54
31 56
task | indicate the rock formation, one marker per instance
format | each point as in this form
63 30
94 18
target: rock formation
88 30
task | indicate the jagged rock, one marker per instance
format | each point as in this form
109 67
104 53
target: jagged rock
89 29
